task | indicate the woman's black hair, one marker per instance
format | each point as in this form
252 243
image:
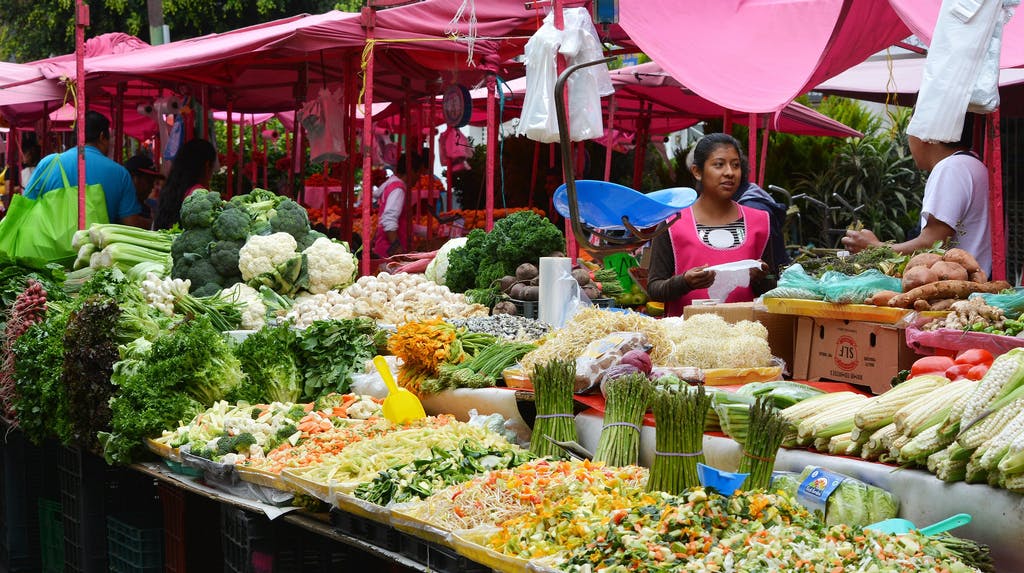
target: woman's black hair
712 141
188 168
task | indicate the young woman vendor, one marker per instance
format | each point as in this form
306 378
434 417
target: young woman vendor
713 231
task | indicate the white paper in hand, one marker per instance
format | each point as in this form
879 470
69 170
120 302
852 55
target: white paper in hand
730 276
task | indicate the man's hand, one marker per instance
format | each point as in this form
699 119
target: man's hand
856 241
699 277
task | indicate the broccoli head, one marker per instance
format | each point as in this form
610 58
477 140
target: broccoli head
200 209
232 224
224 258
196 241
290 217
235 444
309 239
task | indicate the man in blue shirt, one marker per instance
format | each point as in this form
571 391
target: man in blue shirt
122 204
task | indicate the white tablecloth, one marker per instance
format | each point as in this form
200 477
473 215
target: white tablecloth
924 499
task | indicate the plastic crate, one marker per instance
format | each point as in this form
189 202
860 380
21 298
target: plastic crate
90 490
21 480
135 544
437 558
247 540
172 501
299 551
51 536
379 534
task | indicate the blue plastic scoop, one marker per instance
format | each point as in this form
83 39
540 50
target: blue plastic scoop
723 482
897 526
603 204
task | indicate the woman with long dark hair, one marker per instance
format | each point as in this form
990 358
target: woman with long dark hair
191 170
714 230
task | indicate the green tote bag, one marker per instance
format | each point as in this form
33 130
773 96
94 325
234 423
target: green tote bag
40 230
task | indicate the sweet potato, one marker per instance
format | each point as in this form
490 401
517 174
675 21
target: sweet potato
945 289
922 305
978 277
918 276
962 258
922 260
882 297
947 271
943 304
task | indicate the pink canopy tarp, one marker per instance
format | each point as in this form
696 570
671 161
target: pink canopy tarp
920 17
757 56
22 83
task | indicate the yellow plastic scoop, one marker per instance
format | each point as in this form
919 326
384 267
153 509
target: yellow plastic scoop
401 405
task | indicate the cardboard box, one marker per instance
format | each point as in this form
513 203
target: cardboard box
781 327
867 354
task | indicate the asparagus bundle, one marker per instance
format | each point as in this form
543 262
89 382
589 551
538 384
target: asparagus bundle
766 431
553 386
680 413
626 400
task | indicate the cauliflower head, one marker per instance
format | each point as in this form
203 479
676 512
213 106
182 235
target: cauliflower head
254 312
331 266
263 253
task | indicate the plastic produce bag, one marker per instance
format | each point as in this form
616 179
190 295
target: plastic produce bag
843 288
1011 303
929 342
794 282
324 121
579 43
40 230
842 499
602 354
730 276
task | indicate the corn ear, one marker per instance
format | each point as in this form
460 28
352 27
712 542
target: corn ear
814 405
1013 462
833 421
993 451
894 449
1004 377
986 428
917 449
821 444
936 458
879 442
879 411
931 408
976 473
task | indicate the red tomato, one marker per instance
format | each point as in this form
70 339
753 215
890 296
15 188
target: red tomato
958 371
930 365
975 356
977 372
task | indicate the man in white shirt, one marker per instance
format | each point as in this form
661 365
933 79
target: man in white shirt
955 205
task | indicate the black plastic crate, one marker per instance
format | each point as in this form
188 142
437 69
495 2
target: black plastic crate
436 557
90 490
135 544
299 551
51 536
247 540
21 481
379 534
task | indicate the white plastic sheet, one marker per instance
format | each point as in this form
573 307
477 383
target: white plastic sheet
962 69
731 276
579 43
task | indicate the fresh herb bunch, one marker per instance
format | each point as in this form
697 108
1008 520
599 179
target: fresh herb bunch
331 351
270 361
90 351
522 237
679 442
881 258
553 387
626 400
765 432
40 400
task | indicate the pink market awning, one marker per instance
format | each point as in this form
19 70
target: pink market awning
23 83
758 55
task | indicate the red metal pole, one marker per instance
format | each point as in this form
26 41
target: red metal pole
994 153
231 149
81 21
431 136
367 194
351 94
533 173
727 122
752 144
254 149
492 148
764 153
204 99
119 132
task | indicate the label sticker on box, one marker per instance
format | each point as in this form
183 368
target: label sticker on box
815 490
845 354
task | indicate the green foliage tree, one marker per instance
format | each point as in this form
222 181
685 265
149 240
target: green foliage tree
44 28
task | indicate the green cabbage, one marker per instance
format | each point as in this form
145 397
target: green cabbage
852 503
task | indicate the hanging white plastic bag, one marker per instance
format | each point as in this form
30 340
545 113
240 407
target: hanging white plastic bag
731 276
324 121
579 43
961 71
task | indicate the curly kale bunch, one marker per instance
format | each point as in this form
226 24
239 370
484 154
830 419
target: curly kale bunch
522 237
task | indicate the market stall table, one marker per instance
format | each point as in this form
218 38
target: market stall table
998 514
